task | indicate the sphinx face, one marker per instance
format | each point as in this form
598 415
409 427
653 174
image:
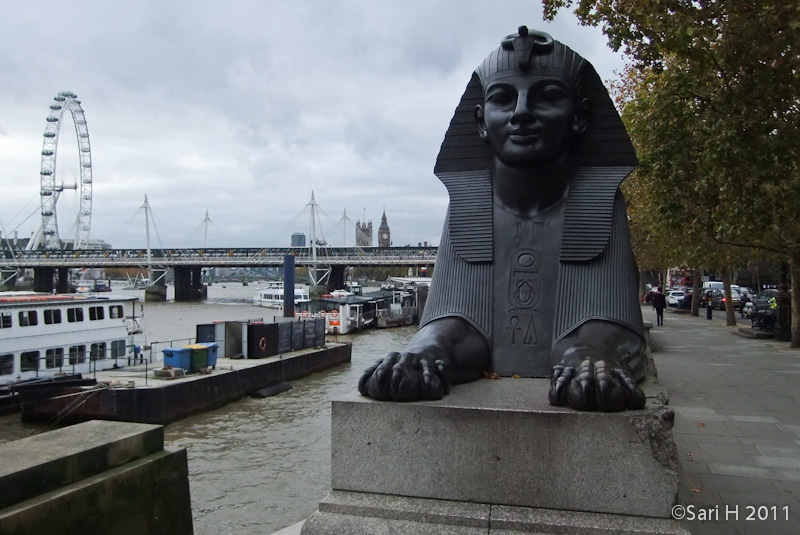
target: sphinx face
528 119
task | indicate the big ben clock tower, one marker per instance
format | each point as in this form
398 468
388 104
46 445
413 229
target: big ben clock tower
384 234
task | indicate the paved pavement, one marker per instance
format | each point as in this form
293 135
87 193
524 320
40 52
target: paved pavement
737 424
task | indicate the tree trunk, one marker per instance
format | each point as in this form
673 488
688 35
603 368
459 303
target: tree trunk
730 314
795 281
697 286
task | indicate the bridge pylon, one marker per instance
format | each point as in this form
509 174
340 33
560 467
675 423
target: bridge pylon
189 284
156 291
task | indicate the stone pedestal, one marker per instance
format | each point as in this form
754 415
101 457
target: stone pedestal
495 457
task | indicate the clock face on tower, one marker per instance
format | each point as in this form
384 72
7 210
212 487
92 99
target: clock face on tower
385 236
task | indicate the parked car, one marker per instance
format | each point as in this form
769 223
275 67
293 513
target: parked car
716 296
674 297
718 299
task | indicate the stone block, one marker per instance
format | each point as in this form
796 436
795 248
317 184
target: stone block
146 495
41 463
499 442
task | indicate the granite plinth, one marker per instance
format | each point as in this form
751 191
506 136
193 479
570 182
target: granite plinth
499 442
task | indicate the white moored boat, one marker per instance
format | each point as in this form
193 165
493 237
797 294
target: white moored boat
271 295
46 335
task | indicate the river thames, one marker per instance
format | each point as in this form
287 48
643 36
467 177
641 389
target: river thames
256 465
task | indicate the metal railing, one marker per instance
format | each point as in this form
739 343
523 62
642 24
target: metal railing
167 343
61 361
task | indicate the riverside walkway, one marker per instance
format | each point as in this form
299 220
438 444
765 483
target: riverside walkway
737 423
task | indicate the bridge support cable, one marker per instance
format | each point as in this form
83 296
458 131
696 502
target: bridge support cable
314 242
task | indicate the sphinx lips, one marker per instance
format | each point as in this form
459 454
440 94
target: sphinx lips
523 137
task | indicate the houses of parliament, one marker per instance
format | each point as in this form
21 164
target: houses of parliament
364 233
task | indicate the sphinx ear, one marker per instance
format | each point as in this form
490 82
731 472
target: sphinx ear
480 122
583 116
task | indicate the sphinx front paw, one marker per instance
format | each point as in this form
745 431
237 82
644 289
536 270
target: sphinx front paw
595 383
405 377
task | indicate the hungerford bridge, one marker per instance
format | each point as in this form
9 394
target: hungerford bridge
51 267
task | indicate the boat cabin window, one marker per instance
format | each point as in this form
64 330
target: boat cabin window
117 349
97 351
6 364
52 315
28 317
5 320
74 315
54 357
115 311
96 313
77 354
29 361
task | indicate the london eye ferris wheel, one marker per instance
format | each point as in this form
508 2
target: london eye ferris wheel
66 167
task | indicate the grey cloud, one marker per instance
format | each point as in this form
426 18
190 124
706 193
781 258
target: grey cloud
244 107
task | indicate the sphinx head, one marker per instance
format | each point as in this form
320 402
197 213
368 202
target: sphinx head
533 101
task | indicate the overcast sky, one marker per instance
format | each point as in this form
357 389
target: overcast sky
242 108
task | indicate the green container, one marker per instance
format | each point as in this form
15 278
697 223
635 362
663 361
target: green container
199 356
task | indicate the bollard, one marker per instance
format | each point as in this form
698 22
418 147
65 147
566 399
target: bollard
708 305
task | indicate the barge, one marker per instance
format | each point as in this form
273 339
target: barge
254 356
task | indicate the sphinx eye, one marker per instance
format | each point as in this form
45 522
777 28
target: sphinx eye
501 96
552 94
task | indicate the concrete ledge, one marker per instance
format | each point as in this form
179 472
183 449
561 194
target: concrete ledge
148 495
746 332
362 513
463 514
500 442
41 463
294 529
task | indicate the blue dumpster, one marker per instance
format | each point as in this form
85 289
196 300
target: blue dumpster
213 347
177 357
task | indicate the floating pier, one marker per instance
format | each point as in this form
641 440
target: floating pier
134 394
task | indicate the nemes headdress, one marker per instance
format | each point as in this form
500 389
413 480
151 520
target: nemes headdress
532 51
603 156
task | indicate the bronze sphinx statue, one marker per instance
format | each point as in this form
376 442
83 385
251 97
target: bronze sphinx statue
535 275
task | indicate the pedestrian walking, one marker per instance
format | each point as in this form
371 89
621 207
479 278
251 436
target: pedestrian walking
659 303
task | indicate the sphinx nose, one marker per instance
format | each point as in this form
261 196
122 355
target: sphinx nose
522 110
